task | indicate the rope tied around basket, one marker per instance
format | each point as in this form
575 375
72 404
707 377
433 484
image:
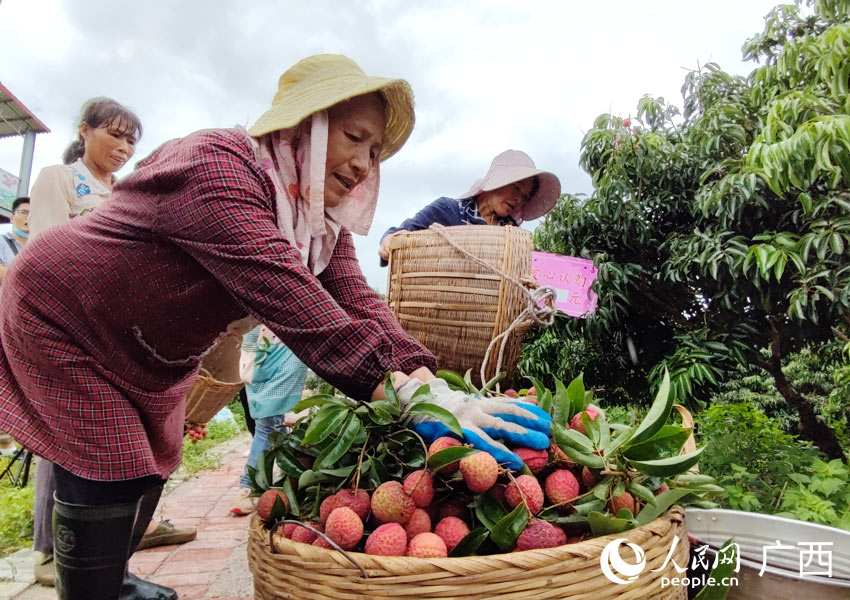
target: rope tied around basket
542 314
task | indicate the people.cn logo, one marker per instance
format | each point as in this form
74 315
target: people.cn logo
612 565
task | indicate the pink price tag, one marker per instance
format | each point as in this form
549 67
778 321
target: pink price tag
571 279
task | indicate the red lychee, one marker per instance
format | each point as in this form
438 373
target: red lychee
534 459
321 543
452 530
662 488
561 486
287 529
266 502
344 527
530 489
498 493
326 507
304 535
427 545
357 500
538 534
589 478
388 539
511 393
419 485
441 443
391 505
480 471
576 422
451 508
420 522
624 500
557 456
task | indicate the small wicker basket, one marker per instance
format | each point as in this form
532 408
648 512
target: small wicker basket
453 305
217 381
301 571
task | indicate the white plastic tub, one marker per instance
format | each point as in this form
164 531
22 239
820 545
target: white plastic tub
784 577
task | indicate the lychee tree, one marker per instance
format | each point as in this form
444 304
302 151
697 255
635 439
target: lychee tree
724 228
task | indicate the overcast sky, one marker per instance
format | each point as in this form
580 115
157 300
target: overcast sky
488 74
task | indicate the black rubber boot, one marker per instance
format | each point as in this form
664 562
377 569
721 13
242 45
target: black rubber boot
90 545
134 588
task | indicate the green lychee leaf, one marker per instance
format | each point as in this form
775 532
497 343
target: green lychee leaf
642 492
545 400
448 455
438 413
455 380
572 438
624 513
321 400
289 490
577 395
603 489
470 387
667 467
667 442
488 510
470 542
507 530
311 477
378 413
694 479
341 472
561 403
422 390
278 510
323 423
591 505
288 463
329 457
657 415
663 501
602 524
492 383
389 389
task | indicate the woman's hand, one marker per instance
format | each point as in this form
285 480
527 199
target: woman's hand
384 250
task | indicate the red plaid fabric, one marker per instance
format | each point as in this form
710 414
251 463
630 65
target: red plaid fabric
103 319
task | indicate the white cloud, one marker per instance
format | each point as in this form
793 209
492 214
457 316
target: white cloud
488 74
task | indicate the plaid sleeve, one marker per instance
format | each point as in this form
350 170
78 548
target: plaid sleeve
345 281
221 215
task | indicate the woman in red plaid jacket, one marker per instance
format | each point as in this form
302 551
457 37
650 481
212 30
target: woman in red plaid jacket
104 319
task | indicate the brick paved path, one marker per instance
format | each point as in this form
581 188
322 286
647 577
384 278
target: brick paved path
215 565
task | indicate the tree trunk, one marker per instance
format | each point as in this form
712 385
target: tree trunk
812 427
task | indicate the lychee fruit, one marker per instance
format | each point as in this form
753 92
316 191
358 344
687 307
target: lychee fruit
561 486
576 422
535 460
560 536
287 529
559 457
498 493
441 443
321 543
427 545
624 500
530 489
450 508
420 522
452 530
344 527
419 485
304 535
531 391
357 500
662 488
390 504
326 507
480 471
388 539
589 478
538 534
510 393
266 502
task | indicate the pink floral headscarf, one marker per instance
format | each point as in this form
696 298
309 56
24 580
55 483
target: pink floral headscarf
295 160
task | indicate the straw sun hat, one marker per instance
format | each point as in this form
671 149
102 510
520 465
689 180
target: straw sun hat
320 81
511 166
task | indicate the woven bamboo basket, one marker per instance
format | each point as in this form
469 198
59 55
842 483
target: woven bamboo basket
296 571
453 305
217 381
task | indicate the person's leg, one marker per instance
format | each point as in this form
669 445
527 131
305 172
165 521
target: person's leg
249 420
263 428
93 527
42 531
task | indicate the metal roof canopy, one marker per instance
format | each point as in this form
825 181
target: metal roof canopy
16 119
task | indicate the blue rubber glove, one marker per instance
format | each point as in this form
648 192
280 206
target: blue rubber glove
483 421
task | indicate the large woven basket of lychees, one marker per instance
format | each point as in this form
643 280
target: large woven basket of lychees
353 505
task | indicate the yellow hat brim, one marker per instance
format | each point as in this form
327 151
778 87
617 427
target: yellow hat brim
303 102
